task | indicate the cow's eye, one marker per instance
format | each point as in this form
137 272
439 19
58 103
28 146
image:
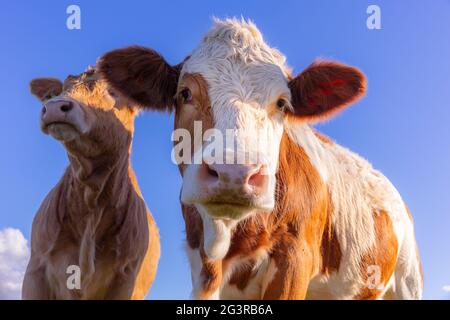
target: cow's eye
281 104
186 95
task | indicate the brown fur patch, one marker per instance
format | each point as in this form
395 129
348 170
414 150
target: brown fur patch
302 206
211 275
199 109
330 251
249 236
383 255
194 226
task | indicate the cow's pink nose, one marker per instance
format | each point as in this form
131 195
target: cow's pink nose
56 109
250 178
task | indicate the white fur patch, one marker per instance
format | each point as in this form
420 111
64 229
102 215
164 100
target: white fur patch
195 262
217 235
269 276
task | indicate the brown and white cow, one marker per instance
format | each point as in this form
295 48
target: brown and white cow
95 218
309 219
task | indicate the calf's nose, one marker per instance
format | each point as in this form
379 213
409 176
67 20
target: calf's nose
56 109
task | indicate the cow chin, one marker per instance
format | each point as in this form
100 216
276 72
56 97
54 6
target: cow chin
227 204
63 132
237 209
228 211
222 206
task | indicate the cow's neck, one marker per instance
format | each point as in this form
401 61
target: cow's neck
96 200
99 193
95 178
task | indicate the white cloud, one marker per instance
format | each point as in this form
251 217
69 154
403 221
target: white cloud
14 254
446 288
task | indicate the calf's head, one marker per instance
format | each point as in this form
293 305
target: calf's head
232 97
81 114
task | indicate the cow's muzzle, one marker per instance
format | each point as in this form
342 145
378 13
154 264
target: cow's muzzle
231 191
63 119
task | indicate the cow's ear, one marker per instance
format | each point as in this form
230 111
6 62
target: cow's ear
140 75
324 88
46 88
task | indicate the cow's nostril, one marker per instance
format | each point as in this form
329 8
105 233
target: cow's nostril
212 172
256 178
44 110
66 107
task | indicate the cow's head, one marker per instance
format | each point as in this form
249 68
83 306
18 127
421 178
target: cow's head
81 114
233 84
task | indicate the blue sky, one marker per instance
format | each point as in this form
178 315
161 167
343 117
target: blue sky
401 126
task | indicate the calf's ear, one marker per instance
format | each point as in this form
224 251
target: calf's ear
325 88
140 75
46 88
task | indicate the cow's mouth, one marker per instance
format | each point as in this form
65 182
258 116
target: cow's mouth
232 210
62 131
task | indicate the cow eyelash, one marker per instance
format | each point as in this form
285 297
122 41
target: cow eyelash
186 95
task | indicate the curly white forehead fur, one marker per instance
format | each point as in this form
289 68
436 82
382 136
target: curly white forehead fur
238 64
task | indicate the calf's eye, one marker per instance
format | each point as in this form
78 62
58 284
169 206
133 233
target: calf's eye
186 95
281 104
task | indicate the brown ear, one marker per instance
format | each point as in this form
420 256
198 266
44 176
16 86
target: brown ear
141 75
45 88
325 88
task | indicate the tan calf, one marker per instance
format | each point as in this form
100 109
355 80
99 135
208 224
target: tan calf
95 218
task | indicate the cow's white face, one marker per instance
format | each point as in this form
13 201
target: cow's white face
246 89
232 98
